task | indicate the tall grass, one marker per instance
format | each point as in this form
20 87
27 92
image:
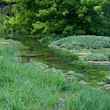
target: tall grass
35 86
27 86
87 98
92 99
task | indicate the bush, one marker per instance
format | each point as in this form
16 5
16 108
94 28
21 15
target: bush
3 20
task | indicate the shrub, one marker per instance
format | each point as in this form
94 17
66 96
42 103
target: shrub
3 20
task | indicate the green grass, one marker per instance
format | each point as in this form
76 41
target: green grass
35 86
88 99
31 86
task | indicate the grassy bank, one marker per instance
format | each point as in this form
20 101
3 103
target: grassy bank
89 48
35 86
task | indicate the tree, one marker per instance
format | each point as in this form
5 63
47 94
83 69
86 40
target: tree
61 17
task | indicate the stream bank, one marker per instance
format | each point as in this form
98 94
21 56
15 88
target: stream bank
38 52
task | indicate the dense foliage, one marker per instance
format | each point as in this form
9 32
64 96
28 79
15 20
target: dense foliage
61 17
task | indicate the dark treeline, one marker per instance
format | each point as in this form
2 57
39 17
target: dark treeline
60 17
